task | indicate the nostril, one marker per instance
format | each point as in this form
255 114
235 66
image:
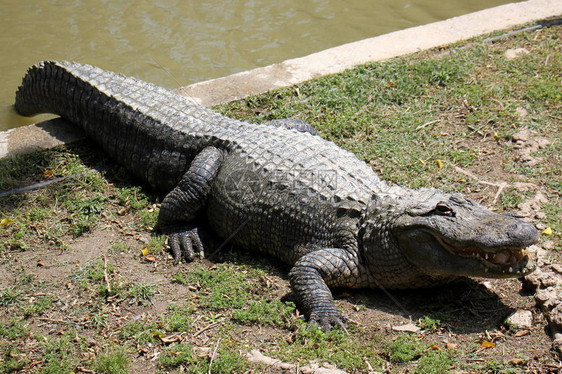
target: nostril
524 232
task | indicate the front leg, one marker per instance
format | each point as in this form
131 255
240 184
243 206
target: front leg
314 272
181 205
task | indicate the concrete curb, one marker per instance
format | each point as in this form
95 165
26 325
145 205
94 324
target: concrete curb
217 91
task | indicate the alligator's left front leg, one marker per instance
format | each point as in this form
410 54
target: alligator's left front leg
181 205
314 272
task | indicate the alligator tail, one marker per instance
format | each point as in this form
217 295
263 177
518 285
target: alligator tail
127 117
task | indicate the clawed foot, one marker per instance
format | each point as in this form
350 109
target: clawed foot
326 319
183 242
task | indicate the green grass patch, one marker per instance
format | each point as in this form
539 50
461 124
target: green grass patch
176 355
225 287
113 360
265 312
335 347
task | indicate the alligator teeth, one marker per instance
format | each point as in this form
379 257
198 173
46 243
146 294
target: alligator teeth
510 269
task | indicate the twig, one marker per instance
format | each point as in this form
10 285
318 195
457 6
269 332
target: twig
500 186
105 277
214 354
54 320
208 327
427 124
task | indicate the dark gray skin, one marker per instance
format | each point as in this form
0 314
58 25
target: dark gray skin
281 190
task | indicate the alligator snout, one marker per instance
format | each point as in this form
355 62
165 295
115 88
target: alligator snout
522 233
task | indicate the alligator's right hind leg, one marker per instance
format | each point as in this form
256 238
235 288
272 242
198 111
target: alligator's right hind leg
182 204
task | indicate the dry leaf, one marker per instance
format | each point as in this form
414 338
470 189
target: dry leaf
144 251
516 361
439 163
6 221
406 328
150 258
170 339
48 173
547 231
488 345
40 263
521 333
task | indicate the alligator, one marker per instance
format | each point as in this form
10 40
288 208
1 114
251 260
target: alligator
282 190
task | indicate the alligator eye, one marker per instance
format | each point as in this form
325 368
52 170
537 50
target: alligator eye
444 210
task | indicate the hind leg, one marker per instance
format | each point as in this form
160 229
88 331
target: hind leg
182 204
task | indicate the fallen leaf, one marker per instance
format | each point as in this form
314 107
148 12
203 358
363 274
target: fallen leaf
451 346
406 328
488 345
439 163
170 339
6 221
547 231
48 173
150 258
516 361
521 333
144 251
40 263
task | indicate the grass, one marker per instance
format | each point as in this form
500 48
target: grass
416 120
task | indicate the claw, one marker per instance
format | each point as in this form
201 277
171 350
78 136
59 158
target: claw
328 319
183 242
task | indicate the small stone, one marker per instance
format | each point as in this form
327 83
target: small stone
521 319
521 112
557 268
513 53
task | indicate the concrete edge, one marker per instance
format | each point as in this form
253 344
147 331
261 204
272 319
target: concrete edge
334 60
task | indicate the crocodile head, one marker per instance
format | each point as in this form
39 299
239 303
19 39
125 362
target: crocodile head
451 235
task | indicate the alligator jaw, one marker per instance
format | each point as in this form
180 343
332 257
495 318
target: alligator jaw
509 261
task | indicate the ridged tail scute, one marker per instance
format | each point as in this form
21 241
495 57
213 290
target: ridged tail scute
123 115
40 89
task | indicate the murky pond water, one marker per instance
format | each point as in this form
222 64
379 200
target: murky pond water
177 42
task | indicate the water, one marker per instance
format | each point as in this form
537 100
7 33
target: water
177 42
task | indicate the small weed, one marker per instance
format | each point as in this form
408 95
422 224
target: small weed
9 296
15 329
227 286
429 323
434 362
179 318
59 355
510 198
141 293
496 367
95 271
114 360
311 344
406 348
275 313
156 243
38 306
141 332
132 197
12 359
176 355
119 246
227 363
